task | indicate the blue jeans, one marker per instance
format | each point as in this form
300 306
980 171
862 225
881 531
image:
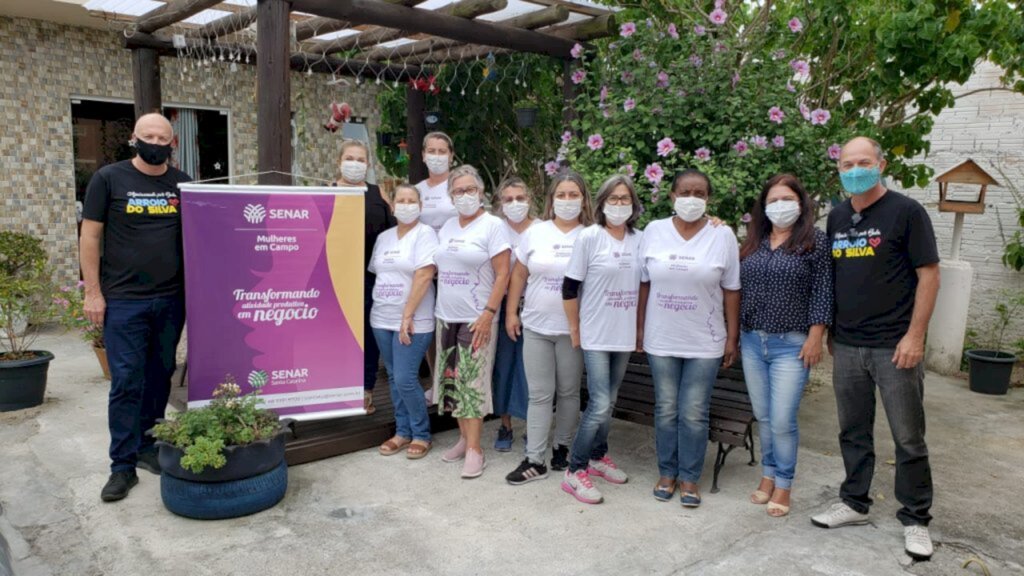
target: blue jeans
605 371
682 400
775 377
141 337
403 365
511 393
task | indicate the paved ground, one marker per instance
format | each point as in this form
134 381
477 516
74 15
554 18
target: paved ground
364 514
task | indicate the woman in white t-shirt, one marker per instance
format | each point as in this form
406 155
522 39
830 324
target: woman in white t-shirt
472 269
553 365
689 326
402 317
600 291
510 394
438 154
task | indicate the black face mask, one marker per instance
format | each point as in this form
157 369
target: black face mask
152 154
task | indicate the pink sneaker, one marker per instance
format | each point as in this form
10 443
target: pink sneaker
455 453
607 469
578 484
474 465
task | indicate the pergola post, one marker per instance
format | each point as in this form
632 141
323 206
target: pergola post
273 38
146 81
415 130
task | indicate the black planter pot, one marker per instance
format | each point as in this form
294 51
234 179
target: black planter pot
242 461
526 117
990 370
23 382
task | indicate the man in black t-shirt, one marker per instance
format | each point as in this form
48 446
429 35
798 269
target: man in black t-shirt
131 258
886 281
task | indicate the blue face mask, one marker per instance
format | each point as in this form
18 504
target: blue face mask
858 180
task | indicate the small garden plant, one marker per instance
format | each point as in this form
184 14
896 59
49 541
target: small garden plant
70 304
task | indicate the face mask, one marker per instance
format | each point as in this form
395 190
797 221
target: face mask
436 163
516 211
568 209
859 180
407 213
353 171
783 213
152 154
690 208
467 204
617 215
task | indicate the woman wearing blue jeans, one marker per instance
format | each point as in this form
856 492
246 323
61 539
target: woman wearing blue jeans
402 318
786 272
689 326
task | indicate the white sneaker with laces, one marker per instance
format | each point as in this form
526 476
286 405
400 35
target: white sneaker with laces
839 514
917 542
607 469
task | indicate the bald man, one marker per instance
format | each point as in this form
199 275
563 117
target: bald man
886 281
131 259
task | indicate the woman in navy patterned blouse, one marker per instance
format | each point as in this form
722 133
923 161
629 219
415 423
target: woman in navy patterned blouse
786 279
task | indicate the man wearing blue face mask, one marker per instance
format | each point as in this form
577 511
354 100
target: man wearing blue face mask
886 281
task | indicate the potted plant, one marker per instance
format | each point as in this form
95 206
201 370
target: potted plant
225 459
526 113
990 366
25 295
70 301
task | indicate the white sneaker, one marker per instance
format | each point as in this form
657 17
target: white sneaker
581 487
839 514
918 543
607 469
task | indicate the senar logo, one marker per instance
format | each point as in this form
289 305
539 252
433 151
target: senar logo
254 213
258 379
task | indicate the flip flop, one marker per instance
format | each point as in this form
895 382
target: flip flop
392 447
417 449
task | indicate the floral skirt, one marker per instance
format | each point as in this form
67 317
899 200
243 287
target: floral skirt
462 384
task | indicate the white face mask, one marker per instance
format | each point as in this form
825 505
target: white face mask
568 209
353 171
467 204
783 213
436 163
516 211
407 213
690 208
617 215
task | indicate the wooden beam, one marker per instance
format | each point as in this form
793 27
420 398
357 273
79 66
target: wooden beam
461 53
319 25
597 27
445 26
573 7
226 25
273 84
146 81
173 11
415 130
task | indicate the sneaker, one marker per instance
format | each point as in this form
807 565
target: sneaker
118 485
455 453
148 461
578 484
839 514
559 458
607 469
474 465
504 441
917 542
527 472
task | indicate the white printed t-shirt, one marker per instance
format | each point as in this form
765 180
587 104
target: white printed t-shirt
437 206
545 251
395 262
465 276
514 238
685 309
610 272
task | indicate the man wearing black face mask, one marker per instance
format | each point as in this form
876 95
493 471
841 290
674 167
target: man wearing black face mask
135 290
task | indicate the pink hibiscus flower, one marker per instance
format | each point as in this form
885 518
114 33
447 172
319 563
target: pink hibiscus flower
718 16
801 67
702 154
627 29
629 104
673 32
820 116
805 111
795 25
779 141
699 30
654 173
578 76
759 141
834 150
595 142
551 168
666 146
662 79
775 114
741 147
577 50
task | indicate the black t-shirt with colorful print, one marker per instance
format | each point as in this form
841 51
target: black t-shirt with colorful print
876 253
141 216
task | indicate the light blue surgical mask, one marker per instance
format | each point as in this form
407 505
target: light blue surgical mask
858 180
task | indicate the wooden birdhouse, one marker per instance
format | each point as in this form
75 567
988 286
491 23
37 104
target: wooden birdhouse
965 175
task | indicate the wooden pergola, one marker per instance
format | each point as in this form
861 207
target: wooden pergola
451 33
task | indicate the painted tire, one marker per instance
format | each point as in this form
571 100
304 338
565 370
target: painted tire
219 500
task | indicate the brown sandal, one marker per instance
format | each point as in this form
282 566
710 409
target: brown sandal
394 446
417 449
368 403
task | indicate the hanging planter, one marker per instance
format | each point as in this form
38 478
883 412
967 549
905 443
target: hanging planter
526 116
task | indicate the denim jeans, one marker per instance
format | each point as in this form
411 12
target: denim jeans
605 371
775 377
402 363
857 372
371 351
141 337
682 401
511 393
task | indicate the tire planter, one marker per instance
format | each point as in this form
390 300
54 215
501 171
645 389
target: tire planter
242 461
526 117
23 382
221 500
990 371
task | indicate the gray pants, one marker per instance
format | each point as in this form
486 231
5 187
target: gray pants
553 367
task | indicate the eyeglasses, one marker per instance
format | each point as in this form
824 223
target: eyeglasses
458 192
619 200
